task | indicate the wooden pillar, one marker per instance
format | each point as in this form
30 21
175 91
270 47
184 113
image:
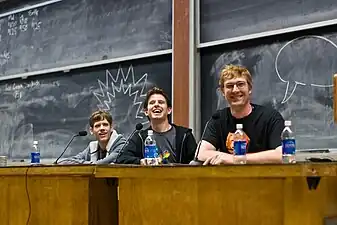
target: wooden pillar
180 60
334 97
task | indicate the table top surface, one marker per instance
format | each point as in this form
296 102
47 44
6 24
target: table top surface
177 171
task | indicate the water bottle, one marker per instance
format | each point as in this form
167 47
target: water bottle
150 150
240 145
288 144
35 153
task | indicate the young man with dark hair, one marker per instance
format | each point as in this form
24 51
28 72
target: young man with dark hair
263 126
176 143
108 142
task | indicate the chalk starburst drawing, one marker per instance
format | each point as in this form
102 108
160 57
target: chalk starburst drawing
122 95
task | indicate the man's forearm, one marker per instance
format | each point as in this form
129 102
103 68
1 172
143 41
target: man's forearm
270 156
205 154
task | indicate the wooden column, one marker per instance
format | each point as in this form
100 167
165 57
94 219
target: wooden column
180 60
334 97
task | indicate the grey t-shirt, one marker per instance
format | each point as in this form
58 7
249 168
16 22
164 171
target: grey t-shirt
166 141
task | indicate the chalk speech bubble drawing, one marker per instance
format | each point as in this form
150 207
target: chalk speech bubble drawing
307 60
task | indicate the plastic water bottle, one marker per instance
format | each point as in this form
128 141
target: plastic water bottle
35 153
240 145
151 150
288 144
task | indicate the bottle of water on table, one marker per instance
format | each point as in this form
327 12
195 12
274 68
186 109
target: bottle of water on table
288 144
35 153
150 151
240 145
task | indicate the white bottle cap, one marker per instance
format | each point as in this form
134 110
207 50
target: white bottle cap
239 126
150 132
35 142
287 123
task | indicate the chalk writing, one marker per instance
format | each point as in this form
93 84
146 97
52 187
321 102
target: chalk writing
17 23
4 57
23 23
33 12
14 86
12 25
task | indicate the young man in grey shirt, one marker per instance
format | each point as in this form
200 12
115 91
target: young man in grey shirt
107 146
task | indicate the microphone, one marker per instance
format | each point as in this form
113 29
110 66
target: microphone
81 133
139 126
196 161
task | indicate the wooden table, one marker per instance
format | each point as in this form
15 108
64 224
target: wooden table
233 195
56 195
245 195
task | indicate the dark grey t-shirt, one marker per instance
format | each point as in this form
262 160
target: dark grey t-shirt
166 141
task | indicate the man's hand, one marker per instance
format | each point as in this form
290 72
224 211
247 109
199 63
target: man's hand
152 162
220 158
143 162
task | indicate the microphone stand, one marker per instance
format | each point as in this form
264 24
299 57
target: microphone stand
56 161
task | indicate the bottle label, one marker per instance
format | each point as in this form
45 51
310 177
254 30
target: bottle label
240 147
35 157
150 151
288 147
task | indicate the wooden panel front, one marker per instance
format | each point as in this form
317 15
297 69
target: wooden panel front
235 201
53 200
309 207
157 201
14 203
57 196
240 201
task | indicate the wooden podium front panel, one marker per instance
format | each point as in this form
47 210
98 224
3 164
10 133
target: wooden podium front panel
158 201
56 200
13 197
249 201
53 200
309 207
210 196
201 201
275 201
57 196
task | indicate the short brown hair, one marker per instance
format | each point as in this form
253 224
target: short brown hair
156 90
235 71
99 116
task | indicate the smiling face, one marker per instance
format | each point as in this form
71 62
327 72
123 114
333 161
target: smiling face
157 108
101 130
237 92
236 85
101 126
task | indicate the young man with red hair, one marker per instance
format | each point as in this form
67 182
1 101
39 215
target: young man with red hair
263 126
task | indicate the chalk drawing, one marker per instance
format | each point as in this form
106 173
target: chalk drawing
296 83
124 84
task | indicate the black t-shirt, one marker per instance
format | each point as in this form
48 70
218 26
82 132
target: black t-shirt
101 154
263 128
166 143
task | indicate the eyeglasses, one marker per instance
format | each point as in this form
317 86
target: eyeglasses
239 85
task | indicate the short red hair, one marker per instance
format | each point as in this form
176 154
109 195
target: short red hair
234 71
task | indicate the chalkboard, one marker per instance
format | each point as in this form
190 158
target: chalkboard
292 74
227 19
70 32
51 108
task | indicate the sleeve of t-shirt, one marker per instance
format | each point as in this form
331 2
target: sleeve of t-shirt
210 134
275 128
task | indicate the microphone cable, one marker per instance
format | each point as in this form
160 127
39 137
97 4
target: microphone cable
27 193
